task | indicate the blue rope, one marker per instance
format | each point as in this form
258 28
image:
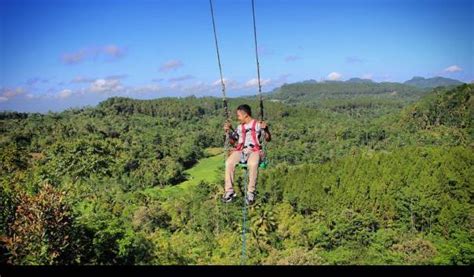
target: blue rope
244 221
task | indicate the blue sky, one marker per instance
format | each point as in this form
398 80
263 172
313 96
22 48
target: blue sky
70 53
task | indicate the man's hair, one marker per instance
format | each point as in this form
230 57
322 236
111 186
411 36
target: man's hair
245 108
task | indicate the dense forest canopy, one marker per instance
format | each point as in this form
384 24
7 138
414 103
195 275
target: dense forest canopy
360 173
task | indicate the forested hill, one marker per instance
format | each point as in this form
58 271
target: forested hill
355 177
451 110
313 92
432 82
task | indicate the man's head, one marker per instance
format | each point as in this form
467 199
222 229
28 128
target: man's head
243 113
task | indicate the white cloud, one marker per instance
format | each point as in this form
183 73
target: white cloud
12 92
106 86
175 86
334 76
367 76
107 53
113 85
74 58
181 78
113 51
65 93
453 68
30 96
254 82
36 80
386 78
8 93
82 79
229 83
218 82
171 65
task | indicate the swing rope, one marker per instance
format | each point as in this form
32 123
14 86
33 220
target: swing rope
244 221
226 110
257 62
227 116
224 99
261 115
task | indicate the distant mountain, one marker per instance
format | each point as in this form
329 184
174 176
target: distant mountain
352 80
311 81
359 81
432 82
305 92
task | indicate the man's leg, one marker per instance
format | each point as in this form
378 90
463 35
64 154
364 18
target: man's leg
252 164
232 160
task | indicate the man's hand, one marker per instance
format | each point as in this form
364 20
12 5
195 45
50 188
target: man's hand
264 126
227 126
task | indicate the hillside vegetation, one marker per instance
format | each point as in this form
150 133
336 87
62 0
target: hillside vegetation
359 173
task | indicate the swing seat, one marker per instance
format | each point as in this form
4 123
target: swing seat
243 165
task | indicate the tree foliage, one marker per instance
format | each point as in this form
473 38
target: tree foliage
360 173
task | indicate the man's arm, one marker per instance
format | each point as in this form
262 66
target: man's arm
233 137
268 136
231 134
266 131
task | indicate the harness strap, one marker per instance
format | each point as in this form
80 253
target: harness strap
254 137
244 132
256 146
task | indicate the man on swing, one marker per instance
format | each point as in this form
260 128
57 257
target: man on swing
248 150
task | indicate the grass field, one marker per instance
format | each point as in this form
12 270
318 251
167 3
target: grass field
208 169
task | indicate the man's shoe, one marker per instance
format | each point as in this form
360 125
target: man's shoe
250 199
228 196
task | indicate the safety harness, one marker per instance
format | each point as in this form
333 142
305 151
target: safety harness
256 145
